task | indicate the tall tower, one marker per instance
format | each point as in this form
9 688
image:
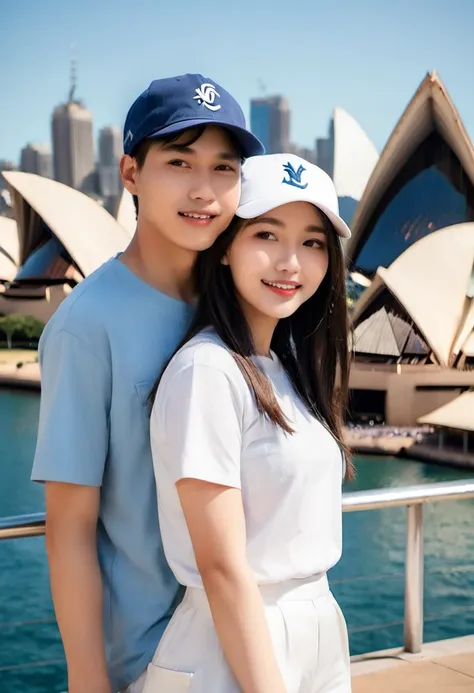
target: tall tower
270 122
110 151
73 142
36 158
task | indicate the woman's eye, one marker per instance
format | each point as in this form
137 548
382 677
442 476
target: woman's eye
224 167
314 243
177 162
265 235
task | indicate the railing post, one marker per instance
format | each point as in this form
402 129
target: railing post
413 632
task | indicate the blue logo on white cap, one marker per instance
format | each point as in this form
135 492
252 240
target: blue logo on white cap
206 95
294 177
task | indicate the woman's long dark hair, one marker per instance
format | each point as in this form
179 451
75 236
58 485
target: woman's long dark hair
312 344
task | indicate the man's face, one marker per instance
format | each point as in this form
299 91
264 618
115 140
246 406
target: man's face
188 193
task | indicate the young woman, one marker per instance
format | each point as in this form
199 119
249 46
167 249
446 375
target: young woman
247 448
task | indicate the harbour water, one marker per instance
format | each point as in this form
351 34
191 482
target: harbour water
368 581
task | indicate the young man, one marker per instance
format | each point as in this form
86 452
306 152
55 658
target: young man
113 591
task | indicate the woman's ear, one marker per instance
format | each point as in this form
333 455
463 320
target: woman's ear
225 260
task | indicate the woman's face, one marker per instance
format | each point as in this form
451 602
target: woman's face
279 260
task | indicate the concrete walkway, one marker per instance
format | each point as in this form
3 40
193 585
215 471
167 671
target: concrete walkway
442 667
27 377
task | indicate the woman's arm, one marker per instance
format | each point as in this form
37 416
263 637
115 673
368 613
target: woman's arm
216 523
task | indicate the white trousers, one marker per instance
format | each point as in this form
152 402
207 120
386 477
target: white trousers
308 632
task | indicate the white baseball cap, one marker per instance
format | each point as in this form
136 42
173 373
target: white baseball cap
272 180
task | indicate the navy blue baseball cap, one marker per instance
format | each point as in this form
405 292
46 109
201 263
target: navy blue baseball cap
176 103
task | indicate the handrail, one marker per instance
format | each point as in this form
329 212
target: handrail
407 495
22 526
412 497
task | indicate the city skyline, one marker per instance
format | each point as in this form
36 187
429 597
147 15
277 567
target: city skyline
367 59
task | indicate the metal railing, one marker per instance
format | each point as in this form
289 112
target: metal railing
22 526
412 497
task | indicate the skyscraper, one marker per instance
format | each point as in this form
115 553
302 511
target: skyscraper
73 146
110 151
36 158
73 143
270 122
6 166
325 152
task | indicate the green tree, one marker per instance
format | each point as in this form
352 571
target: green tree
22 325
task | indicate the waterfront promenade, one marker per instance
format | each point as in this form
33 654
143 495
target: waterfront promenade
442 667
26 376
446 666
368 441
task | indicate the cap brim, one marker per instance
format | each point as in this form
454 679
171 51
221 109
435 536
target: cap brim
251 145
254 208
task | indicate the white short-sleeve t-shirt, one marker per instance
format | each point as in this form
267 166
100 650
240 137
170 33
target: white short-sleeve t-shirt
205 425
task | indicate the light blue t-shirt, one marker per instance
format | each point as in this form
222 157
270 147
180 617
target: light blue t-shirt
100 355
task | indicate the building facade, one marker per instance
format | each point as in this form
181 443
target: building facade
37 158
110 151
73 146
270 122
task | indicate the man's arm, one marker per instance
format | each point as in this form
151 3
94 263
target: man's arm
71 450
71 530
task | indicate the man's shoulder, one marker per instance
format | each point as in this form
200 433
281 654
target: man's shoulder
84 312
87 302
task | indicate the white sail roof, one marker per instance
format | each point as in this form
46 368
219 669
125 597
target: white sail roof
431 280
430 109
88 232
355 156
459 414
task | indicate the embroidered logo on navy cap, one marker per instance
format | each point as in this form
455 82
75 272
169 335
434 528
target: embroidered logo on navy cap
206 95
294 177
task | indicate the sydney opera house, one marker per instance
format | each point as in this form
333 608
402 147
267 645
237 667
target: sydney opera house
58 237
413 248
349 157
410 258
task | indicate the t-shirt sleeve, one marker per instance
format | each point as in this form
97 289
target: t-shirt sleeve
73 433
199 414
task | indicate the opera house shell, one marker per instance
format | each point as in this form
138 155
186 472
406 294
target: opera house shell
63 236
349 157
413 242
423 181
456 415
126 215
9 249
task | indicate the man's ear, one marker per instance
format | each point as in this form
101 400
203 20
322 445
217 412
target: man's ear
128 173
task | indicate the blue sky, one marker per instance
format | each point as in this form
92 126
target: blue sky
367 57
